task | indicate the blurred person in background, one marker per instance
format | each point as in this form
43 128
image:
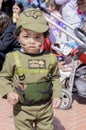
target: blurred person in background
16 10
39 2
56 35
80 53
82 7
7 6
70 14
8 41
25 3
28 3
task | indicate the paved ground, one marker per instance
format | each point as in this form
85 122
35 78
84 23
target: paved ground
72 119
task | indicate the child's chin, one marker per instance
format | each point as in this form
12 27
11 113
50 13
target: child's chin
32 52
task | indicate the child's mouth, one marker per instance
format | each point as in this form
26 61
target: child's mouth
31 47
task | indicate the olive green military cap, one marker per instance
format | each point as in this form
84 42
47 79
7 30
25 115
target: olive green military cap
33 19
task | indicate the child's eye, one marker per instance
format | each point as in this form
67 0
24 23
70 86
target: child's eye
38 37
26 36
23 45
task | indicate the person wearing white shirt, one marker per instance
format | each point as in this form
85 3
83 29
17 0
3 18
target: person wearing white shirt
70 14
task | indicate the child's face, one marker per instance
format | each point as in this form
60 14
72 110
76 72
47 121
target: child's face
49 8
16 9
31 41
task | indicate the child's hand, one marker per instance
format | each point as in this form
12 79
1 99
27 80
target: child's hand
56 103
12 98
15 17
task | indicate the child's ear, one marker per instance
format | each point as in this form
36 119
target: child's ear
18 38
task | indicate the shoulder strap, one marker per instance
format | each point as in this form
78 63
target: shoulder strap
20 69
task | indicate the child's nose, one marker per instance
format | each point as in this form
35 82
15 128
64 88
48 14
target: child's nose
31 40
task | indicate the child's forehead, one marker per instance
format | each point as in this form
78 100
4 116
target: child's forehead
28 31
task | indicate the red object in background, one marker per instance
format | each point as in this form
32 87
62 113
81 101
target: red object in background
31 0
46 45
74 52
82 58
80 12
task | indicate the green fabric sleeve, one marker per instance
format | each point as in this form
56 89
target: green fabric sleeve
6 76
57 89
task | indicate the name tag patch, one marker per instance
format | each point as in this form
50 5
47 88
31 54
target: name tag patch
33 64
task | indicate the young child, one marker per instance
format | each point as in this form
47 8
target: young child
30 78
56 35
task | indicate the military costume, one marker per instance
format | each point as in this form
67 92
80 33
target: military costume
34 77
35 73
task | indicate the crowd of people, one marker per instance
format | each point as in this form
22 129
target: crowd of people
29 71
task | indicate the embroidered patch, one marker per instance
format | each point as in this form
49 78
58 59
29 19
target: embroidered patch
33 64
33 13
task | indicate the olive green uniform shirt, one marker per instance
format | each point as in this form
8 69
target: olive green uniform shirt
35 68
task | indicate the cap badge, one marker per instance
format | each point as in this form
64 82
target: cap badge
33 13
